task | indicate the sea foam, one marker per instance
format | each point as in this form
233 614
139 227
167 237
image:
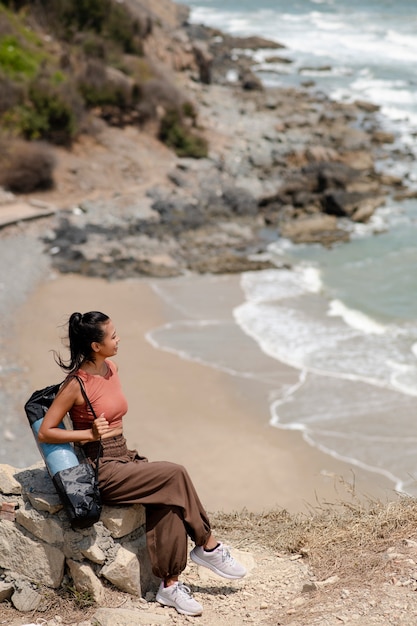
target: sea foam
355 319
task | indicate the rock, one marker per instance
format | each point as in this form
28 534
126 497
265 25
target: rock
278 59
381 136
40 524
92 551
252 43
38 544
38 488
250 82
124 571
368 107
240 201
26 599
314 229
204 60
366 209
6 591
128 617
85 580
309 587
357 206
407 194
330 175
229 264
8 483
121 521
26 556
358 159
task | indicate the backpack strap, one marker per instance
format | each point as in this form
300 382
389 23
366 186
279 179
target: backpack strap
90 406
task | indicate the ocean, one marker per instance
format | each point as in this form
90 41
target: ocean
345 318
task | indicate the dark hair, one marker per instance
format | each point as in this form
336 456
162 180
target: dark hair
83 330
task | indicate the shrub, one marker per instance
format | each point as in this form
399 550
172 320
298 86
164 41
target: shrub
101 85
72 16
176 135
11 94
103 17
26 167
93 46
50 112
15 60
122 29
158 92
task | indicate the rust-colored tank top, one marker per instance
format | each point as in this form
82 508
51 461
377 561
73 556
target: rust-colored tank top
105 394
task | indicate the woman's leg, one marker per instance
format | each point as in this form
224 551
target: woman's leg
173 508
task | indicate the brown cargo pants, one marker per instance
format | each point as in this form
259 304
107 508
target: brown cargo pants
173 508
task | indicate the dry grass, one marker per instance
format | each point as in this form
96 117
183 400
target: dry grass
348 538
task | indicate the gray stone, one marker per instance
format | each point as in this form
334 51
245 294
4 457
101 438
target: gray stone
93 552
38 487
40 525
6 590
8 483
26 556
124 572
128 617
121 521
85 580
26 599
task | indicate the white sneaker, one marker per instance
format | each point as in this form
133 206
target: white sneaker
178 596
219 561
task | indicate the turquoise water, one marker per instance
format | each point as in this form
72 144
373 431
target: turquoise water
346 318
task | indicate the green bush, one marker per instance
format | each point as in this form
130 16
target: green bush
72 16
15 60
49 112
177 136
111 21
120 28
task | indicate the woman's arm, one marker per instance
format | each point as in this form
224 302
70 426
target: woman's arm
50 432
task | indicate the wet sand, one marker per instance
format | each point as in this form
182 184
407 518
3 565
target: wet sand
214 423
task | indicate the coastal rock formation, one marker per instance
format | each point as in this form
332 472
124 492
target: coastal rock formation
268 175
281 163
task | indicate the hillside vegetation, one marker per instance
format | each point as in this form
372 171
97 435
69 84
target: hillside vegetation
64 63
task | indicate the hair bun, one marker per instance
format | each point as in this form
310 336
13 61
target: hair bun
75 320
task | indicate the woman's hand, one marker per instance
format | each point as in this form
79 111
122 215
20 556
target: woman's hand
100 427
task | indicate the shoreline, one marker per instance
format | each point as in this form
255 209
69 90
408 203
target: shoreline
196 415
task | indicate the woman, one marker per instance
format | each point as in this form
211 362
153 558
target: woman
173 508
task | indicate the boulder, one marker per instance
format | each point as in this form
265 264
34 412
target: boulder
317 228
39 542
355 205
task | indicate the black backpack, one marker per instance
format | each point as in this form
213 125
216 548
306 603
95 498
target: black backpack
77 481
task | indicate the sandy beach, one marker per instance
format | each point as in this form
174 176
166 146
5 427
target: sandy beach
214 423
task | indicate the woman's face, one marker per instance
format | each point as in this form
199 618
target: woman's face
109 345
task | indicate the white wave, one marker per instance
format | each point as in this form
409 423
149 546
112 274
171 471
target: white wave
386 91
332 71
288 334
351 460
355 319
405 382
274 285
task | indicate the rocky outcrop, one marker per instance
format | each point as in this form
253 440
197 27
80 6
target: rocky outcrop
282 163
38 548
